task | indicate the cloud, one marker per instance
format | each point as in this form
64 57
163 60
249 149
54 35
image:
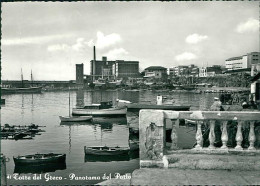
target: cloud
185 56
195 38
91 43
80 45
117 53
251 25
32 40
58 47
103 41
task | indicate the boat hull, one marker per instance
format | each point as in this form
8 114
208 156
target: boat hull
77 119
111 112
137 106
106 152
39 160
2 101
30 90
38 169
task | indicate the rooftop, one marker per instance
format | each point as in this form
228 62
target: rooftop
234 58
156 68
238 70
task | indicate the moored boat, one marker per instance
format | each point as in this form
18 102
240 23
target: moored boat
22 90
29 90
74 119
20 131
2 101
105 150
134 145
102 109
38 159
38 169
138 106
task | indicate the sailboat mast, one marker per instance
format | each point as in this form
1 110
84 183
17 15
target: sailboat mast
31 78
22 77
69 101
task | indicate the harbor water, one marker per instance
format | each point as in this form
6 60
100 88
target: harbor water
44 110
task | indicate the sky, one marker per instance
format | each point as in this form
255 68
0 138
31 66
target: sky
49 38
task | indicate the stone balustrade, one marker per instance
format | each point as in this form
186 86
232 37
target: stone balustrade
152 133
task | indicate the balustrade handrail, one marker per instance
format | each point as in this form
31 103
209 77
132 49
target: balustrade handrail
152 130
215 115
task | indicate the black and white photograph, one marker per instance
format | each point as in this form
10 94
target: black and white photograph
130 93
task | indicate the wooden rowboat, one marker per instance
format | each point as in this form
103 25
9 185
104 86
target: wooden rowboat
38 159
38 169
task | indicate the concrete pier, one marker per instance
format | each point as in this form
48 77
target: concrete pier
155 176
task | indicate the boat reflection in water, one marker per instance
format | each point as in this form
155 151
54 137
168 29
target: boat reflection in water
103 158
99 120
100 158
69 123
107 123
37 169
106 120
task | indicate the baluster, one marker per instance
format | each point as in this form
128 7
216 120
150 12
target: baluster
239 137
174 135
224 135
199 137
251 136
212 135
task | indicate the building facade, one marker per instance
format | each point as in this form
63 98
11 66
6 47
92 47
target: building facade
177 71
236 63
123 69
101 69
111 70
255 69
254 58
156 72
79 74
243 62
187 71
215 70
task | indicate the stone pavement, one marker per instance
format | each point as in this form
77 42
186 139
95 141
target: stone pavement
155 176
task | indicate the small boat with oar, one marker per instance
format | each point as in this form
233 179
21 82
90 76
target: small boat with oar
105 150
39 159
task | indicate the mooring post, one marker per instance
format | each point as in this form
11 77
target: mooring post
3 170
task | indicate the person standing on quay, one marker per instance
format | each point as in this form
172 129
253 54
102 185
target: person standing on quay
217 105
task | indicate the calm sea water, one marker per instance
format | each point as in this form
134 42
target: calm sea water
44 109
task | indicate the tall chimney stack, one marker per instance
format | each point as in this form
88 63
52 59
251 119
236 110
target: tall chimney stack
94 53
